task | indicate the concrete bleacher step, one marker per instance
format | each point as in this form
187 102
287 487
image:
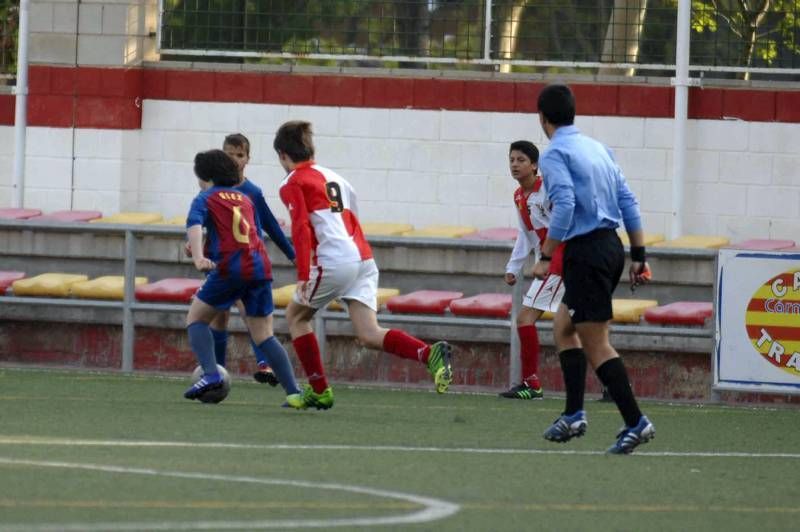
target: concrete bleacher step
47 285
169 290
105 287
694 241
131 218
68 216
494 233
441 231
491 305
383 295
680 313
422 302
7 278
385 228
18 213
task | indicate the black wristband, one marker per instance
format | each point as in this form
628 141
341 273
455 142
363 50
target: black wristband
545 257
637 253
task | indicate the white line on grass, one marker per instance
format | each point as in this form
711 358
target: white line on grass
433 509
33 440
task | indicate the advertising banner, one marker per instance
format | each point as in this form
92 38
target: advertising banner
758 321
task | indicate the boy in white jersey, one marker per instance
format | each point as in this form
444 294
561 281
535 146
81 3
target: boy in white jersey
533 208
334 261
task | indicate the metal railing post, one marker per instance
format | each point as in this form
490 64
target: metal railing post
514 362
319 328
127 302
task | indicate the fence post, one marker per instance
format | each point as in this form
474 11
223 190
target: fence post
127 302
487 32
681 82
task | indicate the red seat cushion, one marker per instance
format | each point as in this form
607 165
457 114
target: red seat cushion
68 216
6 278
19 214
422 302
760 244
494 233
171 290
680 313
490 305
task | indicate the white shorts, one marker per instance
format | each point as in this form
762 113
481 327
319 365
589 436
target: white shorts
545 294
351 280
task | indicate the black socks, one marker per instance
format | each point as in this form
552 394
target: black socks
573 366
614 377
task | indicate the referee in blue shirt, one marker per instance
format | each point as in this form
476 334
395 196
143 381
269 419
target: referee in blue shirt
590 198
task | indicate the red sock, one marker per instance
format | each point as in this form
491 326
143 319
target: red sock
529 355
307 350
404 345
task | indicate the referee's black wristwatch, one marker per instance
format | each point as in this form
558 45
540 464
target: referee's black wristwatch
637 254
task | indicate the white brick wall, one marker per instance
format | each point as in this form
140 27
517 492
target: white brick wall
419 167
107 32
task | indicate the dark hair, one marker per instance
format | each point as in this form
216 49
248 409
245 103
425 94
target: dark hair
237 140
217 167
294 139
557 105
526 147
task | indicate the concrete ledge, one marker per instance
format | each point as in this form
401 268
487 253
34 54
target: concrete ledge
470 266
448 327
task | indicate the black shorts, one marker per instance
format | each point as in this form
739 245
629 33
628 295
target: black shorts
593 264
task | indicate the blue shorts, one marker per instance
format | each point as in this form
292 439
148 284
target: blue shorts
223 293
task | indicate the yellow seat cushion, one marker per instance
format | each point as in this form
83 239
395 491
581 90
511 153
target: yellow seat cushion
442 231
383 295
175 220
385 229
283 295
695 241
631 310
649 238
47 284
106 287
130 218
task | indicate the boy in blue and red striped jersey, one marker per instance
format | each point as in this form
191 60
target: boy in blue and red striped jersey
238 269
237 146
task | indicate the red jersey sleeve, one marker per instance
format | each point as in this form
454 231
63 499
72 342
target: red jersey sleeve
292 197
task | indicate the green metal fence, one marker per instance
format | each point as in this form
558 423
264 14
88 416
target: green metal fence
9 22
727 35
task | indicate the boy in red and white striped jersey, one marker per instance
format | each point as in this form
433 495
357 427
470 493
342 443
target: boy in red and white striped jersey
334 261
533 207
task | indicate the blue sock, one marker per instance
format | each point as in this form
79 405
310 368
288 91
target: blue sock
260 356
220 345
278 358
202 344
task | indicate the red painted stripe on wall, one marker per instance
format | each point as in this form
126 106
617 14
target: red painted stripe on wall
111 97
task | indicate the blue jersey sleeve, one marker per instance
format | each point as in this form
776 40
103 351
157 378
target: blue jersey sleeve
198 212
266 220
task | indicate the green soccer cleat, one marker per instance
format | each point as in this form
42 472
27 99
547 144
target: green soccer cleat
439 365
309 398
523 391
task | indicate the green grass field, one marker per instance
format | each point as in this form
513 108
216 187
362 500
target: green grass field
87 451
